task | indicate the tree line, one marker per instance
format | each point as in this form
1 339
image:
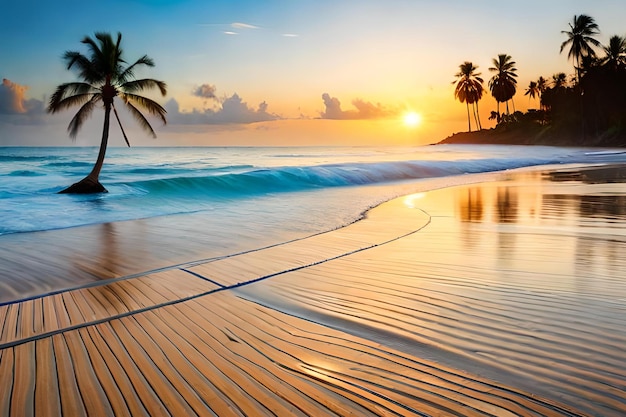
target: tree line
589 107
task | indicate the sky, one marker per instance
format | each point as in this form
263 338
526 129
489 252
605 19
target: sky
285 72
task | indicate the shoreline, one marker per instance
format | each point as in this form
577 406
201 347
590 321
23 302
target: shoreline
530 136
62 259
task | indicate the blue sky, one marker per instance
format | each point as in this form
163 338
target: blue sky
269 63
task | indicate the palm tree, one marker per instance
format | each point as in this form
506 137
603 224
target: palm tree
469 89
105 75
503 84
580 40
532 91
559 80
542 86
615 52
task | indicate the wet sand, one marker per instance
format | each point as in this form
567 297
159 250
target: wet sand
521 280
514 286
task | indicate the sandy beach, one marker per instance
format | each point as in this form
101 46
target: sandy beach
503 296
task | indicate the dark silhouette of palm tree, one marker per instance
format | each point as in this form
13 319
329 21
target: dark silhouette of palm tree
615 52
532 91
580 40
503 84
469 89
105 75
542 84
559 80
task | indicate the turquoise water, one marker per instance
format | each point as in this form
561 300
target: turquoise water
302 189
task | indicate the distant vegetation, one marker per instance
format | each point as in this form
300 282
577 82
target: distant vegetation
586 108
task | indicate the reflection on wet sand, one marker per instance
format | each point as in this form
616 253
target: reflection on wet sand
549 214
40 262
515 280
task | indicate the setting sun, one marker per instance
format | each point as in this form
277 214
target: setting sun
412 119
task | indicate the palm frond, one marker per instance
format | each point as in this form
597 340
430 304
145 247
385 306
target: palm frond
75 100
84 66
75 58
144 84
141 119
129 72
66 95
94 48
79 118
151 106
119 122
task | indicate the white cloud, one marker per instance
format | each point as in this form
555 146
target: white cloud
239 25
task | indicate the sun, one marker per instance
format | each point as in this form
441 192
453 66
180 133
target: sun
412 119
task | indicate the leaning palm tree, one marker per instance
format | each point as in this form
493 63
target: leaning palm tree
580 40
615 52
105 75
503 84
469 89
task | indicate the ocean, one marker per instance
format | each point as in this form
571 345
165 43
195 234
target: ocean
298 190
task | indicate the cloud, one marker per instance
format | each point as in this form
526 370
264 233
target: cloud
204 91
239 25
290 35
231 110
15 108
12 97
230 33
364 110
333 107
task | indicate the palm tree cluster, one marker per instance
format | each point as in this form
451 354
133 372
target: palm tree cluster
105 75
589 106
503 85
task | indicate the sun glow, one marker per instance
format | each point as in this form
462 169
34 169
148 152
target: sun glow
412 119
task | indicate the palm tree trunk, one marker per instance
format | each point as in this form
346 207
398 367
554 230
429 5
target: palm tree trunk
475 118
90 184
469 121
95 172
480 125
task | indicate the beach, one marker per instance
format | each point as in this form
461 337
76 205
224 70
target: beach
499 293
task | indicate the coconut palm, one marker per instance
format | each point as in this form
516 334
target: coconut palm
532 91
503 84
104 75
469 89
542 84
580 40
615 52
559 80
